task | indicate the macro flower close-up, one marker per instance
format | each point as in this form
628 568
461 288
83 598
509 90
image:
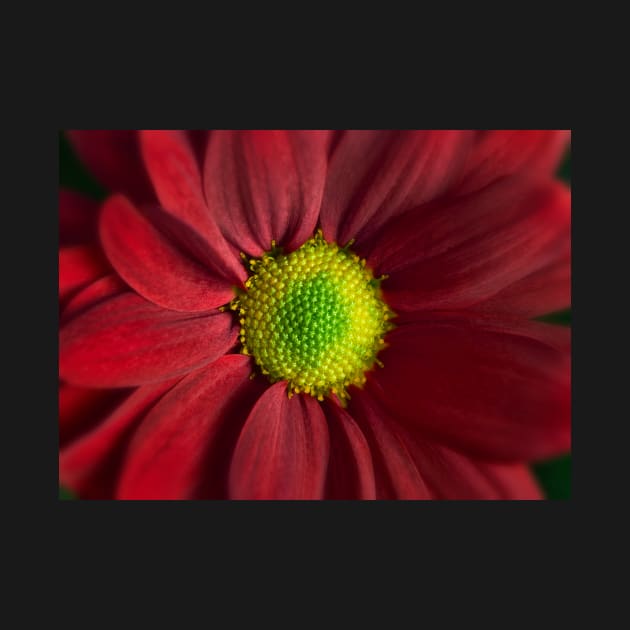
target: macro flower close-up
314 314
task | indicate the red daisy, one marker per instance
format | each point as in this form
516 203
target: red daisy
225 313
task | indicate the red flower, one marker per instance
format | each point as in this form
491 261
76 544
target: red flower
156 398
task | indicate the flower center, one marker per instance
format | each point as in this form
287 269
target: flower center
314 318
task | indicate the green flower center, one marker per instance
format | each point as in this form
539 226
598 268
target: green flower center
314 318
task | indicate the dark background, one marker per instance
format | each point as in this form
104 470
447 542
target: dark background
554 475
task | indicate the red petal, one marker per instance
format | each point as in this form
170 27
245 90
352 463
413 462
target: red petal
513 481
546 289
282 452
397 476
93 294
168 456
90 465
491 388
79 265
264 185
498 153
113 157
374 175
128 341
80 408
459 255
77 218
454 476
175 174
350 470
153 266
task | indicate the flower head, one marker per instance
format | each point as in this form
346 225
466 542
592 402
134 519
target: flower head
310 314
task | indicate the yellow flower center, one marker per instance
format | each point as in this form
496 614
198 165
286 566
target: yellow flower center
314 318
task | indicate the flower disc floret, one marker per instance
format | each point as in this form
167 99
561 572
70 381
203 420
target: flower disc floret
314 317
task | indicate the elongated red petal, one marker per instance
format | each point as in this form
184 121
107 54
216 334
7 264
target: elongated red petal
495 388
149 262
175 174
282 452
264 185
397 476
169 454
77 218
498 153
80 265
98 291
350 470
547 288
127 341
454 476
462 254
81 408
113 157
375 175
90 465
514 481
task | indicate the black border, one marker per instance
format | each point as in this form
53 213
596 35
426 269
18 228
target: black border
441 542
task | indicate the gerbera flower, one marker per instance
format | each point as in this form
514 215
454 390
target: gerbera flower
310 314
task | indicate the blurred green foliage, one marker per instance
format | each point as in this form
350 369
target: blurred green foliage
73 175
65 494
554 476
565 169
562 318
